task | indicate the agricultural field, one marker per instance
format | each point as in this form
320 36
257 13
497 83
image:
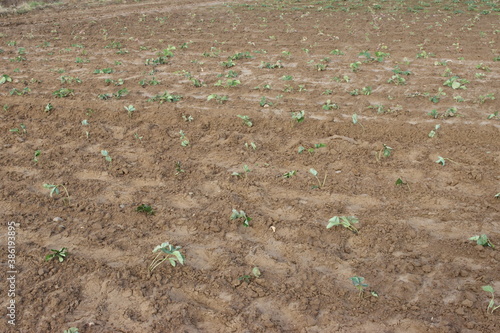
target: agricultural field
250 166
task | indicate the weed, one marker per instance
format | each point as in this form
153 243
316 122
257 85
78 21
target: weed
146 209
170 253
106 155
482 240
491 305
241 215
357 281
315 174
59 254
345 221
246 120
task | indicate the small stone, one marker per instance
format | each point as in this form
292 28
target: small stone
467 303
57 219
41 271
460 311
122 206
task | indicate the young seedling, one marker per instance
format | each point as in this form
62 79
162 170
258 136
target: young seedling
251 145
491 305
21 130
345 221
494 115
400 182
315 174
146 209
178 168
55 189
330 106
264 102
170 253
482 240
59 254
37 153
63 92
241 215
246 170
298 116
184 140
5 78
433 132
248 278
219 98
246 120
106 155
357 281
385 152
311 150
442 160
355 121
130 109
71 330
289 174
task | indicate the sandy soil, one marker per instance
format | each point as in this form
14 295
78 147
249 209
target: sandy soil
388 64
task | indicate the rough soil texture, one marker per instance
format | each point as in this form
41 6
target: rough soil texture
413 245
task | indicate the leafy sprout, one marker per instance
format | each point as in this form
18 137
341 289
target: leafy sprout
298 116
59 254
315 174
246 120
147 209
106 155
169 252
491 305
55 189
241 215
357 281
482 240
345 221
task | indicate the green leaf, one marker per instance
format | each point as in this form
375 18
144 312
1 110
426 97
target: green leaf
334 221
256 272
313 172
488 289
455 85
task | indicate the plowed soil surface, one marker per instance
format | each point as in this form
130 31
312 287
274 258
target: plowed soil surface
367 75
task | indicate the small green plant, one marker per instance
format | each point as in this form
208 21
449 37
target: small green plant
366 90
60 255
5 78
264 102
357 281
397 79
336 52
345 221
433 132
491 305
298 116
106 156
287 78
18 92
312 149
130 110
228 64
246 170
241 215
436 98
246 120
55 189
271 66
355 66
251 145
315 174
184 140
248 278
221 99
169 252
494 115
21 130
35 157
104 71
328 105
146 209
178 168
456 82
289 174
165 97
71 330
401 182
63 92
482 240
49 107
484 98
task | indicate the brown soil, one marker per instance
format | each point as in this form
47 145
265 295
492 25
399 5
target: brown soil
412 247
